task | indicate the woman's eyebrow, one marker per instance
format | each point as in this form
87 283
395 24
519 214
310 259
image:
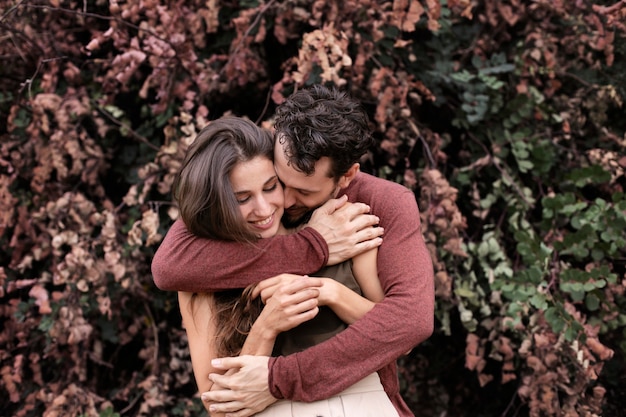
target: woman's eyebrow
265 183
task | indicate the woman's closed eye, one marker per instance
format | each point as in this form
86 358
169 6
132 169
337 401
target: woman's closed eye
243 200
271 188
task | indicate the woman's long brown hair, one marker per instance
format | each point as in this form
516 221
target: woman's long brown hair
235 313
209 209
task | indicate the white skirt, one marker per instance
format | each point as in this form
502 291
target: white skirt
366 398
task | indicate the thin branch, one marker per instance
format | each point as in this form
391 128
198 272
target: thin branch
554 272
504 173
508 407
101 17
18 4
29 81
130 130
155 335
577 78
100 362
431 158
267 103
12 32
256 21
131 404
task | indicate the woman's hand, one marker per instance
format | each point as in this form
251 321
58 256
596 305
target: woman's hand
330 292
291 303
266 288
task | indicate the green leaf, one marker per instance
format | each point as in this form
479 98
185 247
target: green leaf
114 111
594 174
525 166
108 330
499 69
592 302
109 412
463 76
554 319
22 120
534 274
539 301
483 249
571 333
464 292
577 295
46 323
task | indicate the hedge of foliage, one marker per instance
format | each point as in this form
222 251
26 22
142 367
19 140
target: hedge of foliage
505 117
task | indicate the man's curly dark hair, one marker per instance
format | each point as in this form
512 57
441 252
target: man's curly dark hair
321 121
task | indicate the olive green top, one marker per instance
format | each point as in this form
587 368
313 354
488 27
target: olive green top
325 324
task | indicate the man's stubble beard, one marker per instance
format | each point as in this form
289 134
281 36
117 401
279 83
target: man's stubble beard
291 223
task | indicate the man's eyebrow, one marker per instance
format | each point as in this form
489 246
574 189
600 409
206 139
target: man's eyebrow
300 190
303 190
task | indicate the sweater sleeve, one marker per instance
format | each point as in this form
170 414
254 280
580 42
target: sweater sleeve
402 320
185 262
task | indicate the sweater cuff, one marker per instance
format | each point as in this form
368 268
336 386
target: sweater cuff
284 378
271 380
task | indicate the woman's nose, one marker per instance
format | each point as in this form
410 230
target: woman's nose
263 207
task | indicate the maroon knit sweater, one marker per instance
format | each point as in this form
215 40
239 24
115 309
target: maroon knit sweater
402 320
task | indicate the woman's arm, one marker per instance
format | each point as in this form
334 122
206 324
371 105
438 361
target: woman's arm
291 305
348 305
185 262
198 321
365 269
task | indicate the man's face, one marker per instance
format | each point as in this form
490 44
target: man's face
303 193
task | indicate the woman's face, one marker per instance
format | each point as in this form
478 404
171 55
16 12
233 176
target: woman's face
259 194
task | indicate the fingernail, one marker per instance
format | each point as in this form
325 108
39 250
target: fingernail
216 362
204 397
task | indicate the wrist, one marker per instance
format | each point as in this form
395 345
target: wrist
261 331
329 294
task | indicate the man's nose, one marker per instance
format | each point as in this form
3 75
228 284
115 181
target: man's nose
290 198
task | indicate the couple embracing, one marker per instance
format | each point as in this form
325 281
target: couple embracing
294 302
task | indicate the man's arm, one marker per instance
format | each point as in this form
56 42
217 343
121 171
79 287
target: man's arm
184 262
395 325
402 320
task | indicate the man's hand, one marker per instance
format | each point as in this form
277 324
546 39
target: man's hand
246 392
347 228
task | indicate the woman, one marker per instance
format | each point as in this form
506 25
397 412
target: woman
227 189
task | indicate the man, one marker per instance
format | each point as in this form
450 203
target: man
320 136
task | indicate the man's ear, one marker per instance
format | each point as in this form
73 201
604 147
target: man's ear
347 178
